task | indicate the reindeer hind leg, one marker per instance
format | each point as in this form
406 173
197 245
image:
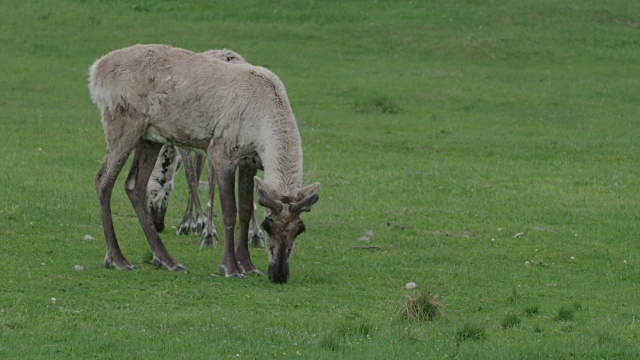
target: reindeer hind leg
160 185
188 224
256 236
246 209
136 187
210 234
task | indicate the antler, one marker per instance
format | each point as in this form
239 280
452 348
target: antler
265 199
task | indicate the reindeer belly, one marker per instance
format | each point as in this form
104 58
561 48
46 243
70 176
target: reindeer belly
195 137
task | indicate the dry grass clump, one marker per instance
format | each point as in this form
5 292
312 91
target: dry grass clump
421 306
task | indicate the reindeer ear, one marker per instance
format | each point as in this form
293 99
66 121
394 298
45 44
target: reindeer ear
304 204
309 190
265 199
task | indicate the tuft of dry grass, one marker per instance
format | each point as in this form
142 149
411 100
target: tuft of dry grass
421 306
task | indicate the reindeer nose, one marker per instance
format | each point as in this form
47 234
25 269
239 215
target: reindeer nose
277 279
278 275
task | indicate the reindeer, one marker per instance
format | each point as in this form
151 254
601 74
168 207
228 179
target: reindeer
149 95
161 182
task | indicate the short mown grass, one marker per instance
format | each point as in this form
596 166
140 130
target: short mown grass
491 147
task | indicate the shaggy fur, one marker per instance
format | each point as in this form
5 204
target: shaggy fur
161 184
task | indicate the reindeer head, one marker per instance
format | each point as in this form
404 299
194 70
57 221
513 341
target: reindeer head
282 224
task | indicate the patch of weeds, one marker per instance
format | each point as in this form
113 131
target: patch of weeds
537 328
351 329
568 328
15 322
355 326
532 310
147 258
509 321
515 296
377 105
421 306
144 6
470 331
566 313
331 341
605 335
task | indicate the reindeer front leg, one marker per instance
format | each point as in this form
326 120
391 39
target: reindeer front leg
225 170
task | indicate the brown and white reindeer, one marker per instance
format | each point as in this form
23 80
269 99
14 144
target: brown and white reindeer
161 184
149 95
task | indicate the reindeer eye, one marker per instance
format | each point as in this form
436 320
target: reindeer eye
301 229
266 225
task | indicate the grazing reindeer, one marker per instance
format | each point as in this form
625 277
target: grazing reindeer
240 114
161 184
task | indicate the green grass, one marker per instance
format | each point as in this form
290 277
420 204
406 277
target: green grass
444 127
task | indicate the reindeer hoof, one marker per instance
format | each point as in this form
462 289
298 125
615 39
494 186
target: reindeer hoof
184 229
209 240
236 275
122 267
178 267
119 262
175 267
256 240
199 227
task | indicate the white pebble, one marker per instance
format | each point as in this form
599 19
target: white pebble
624 261
518 235
573 258
410 286
88 237
526 263
79 268
53 300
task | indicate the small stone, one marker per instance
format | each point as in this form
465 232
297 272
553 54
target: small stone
53 300
518 235
573 258
526 263
410 286
79 268
88 237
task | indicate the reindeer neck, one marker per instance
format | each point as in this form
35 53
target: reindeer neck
282 157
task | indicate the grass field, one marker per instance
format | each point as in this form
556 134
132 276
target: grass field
491 147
